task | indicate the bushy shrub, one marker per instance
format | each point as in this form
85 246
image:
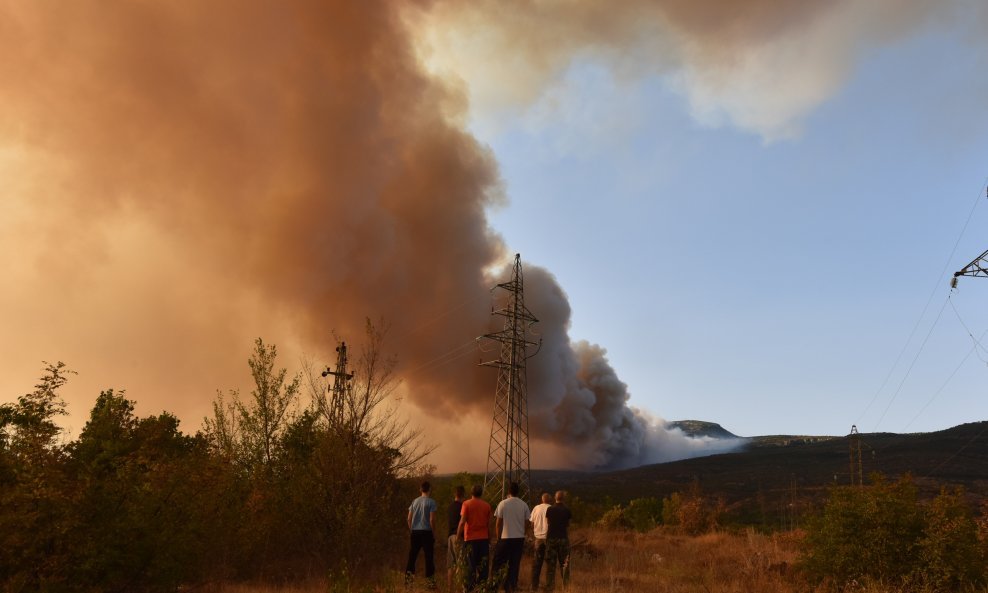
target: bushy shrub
691 512
643 514
950 552
882 532
614 519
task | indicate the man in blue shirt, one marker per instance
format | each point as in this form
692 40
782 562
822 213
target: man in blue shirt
422 523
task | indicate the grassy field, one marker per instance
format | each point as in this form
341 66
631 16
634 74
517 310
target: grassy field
620 561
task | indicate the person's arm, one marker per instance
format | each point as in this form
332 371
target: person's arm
498 524
432 521
459 527
409 519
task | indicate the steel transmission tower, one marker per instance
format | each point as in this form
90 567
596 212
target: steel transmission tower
507 454
978 267
341 388
857 471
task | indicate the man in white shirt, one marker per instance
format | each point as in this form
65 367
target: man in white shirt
512 517
540 527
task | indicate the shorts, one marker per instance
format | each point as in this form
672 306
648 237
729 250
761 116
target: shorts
454 549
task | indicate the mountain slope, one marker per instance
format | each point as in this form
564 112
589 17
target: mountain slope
774 469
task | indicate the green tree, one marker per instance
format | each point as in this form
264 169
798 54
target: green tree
643 514
141 488
867 532
34 487
949 550
249 431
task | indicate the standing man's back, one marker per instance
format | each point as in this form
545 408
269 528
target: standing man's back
557 540
475 520
422 524
540 527
512 517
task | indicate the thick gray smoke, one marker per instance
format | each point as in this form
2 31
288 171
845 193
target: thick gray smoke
577 398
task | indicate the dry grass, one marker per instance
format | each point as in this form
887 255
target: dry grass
606 561
718 563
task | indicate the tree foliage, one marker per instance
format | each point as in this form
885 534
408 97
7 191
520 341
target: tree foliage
270 489
692 512
883 532
641 515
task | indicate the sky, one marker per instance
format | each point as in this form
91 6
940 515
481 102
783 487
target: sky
744 215
773 285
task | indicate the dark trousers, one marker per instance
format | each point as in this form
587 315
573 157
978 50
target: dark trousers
537 562
509 551
477 551
422 540
557 552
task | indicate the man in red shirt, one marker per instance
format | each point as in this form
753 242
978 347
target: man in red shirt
475 520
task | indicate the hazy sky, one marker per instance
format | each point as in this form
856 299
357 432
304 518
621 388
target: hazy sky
743 211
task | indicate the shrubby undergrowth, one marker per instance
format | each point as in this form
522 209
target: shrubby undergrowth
884 533
273 488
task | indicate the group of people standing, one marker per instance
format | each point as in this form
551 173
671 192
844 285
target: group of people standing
469 537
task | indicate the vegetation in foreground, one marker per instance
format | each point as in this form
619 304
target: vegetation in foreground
310 494
615 561
275 486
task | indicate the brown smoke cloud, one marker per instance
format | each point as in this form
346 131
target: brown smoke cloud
178 178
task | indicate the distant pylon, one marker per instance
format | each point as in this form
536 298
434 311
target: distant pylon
507 455
340 389
857 471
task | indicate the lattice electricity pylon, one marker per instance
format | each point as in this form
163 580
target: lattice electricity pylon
978 267
507 455
857 470
339 392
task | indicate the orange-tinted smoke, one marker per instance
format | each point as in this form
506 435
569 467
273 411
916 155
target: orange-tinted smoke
181 177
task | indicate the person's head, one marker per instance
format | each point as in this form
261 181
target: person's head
426 486
513 489
459 492
546 498
560 496
477 491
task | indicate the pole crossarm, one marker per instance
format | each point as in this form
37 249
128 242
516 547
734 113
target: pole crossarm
978 267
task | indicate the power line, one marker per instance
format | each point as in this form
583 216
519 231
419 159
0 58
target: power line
446 357
976 341
929 300
922 346
936 394
958 452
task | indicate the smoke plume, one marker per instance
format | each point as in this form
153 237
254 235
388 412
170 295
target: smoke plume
760 65
179 178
